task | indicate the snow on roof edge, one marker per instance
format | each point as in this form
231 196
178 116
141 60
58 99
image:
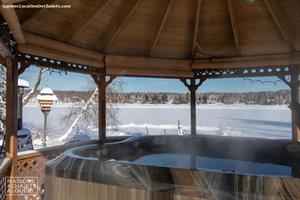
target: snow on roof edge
23 83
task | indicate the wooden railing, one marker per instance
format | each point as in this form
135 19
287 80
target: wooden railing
4 170
33 163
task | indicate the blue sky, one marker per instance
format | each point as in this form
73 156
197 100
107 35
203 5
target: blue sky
74 81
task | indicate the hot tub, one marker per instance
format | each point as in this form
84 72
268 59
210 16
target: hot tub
177 167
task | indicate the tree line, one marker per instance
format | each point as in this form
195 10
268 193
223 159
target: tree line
280 97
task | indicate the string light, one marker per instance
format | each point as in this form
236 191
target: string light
60 72
253 81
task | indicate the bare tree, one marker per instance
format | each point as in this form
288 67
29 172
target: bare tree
86 110
33 91
79 114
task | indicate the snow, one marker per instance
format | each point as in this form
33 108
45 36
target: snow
23 83
47 90
46 94
272 122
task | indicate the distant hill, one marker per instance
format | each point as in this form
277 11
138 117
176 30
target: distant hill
262 98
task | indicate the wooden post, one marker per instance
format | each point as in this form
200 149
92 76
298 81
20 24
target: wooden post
11 107
193 106
11 114
295 106
193 86
100 80
102 108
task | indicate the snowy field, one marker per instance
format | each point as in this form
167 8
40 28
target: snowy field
230 120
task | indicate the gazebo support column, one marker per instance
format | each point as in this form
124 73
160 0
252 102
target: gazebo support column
193 86
295 107
102 83
293 82
11 112
193 102
101 108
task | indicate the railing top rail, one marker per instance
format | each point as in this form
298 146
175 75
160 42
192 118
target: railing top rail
60 148
52 150
6 163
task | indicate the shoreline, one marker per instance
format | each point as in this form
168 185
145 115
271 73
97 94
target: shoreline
140 105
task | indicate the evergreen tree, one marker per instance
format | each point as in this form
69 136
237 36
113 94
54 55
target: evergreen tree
164 98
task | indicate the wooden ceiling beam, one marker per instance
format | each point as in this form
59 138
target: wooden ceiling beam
196 28
60 56
123 17
279 19
248 61
12 20
148 67
116 65
234 25
40 41
84 19
206 53
44 47
161 26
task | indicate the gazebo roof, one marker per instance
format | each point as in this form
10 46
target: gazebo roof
141 37
166 28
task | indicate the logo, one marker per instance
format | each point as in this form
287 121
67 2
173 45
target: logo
21 186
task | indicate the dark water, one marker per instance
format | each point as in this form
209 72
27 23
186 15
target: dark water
214 164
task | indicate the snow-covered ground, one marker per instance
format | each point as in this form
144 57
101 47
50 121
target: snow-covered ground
232 120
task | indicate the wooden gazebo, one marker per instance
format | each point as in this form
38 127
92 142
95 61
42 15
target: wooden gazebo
190 40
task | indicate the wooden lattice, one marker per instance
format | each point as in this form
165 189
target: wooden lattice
35 167
33 164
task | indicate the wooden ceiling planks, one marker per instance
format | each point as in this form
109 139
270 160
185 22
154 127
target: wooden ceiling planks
143 24
291 11
234 21
215 33
44 23
83 18
91 35
12 1
196 28
26 14
176 37
161 25
171 29
274 9
227 28
124 15
259 34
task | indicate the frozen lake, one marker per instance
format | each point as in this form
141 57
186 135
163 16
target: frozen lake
233 120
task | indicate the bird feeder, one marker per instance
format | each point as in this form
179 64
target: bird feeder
46 99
